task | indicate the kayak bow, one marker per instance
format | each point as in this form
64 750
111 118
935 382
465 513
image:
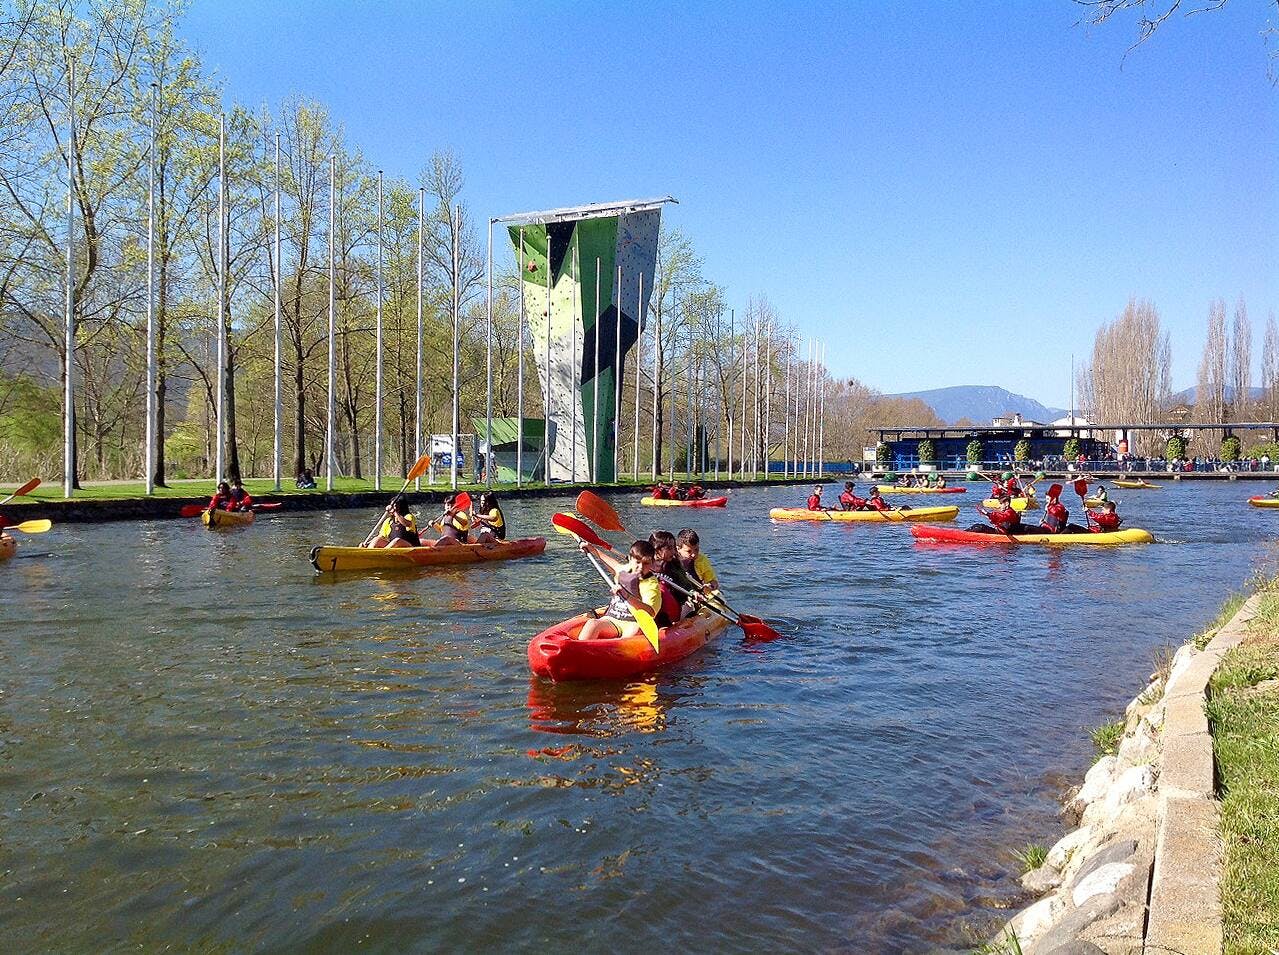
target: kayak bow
221 518
1263 501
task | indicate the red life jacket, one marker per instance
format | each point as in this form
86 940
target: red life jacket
1012 487
219 501
1105 520
1006 519
879 504
659 493
814 502
850 501
1055 517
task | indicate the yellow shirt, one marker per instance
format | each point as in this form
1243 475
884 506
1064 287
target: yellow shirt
704 571
494 518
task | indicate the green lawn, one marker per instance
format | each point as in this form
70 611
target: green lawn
51 490
1244 715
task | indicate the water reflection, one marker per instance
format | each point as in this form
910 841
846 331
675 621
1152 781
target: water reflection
598 710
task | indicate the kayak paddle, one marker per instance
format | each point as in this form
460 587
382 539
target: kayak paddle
23 491
754 627
37 526
566 524
420 467
597 510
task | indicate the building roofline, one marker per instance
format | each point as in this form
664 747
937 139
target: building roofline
595 210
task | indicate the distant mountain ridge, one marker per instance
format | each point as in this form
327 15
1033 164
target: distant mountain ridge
1187 395
982 403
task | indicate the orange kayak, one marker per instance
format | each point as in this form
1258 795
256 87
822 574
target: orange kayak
329 559
558 654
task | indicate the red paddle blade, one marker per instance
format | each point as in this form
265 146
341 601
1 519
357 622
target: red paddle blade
569 523
268 506
598 511
463 501
1081 487
755 629
192 510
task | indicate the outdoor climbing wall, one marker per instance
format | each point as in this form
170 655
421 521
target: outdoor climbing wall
580 330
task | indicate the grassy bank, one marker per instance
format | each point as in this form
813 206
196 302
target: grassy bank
264 487
1244 714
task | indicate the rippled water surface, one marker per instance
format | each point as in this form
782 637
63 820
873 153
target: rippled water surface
204 745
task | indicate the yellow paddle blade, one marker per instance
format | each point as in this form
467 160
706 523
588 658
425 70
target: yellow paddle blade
1019 503
647 625
32 527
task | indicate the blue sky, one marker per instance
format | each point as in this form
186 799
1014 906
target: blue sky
946 193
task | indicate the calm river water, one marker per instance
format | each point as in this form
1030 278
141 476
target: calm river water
205 746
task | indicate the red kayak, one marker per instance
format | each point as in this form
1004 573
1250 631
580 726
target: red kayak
1032 535
558 654
700 502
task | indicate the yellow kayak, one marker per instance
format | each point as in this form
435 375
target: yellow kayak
877 517
332 559
1031 504
1136 485
721 501
1094 501
220 518
1260 501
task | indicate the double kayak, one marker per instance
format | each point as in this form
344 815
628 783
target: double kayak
993 504
1263 501
332 559
953 535
8 546
556 653
700 502
880 517
221 518
1136 485
922 490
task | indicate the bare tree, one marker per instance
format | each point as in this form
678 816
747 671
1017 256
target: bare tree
1128 379
1210 391
1241 363
1270 368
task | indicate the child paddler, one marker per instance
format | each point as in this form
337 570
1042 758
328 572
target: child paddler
697 566
815 499
453 523
221 499
634 586
1056 517
489 520
1105 519
399 529
670 571
849 500
240 500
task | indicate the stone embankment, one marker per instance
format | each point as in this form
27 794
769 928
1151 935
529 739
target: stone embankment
1141 871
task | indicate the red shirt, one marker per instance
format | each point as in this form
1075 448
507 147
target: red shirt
878 503
222 501
1006 519
814 502
851 502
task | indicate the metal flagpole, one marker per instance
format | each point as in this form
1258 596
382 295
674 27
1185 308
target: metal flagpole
417 400
755 438
222 246
546 439
808 392
691 425
519 377
617 375
639 348
595 422
785 417
657 353
821 428
333 308
812 392
728 386
68 398
278 467
489 457
457 405
768 402
719 419
377 381
151 418
377 371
